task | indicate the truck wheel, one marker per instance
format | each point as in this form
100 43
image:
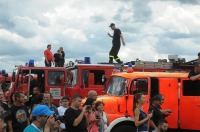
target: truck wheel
124 128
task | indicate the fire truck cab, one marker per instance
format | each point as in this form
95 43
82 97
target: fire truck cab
48 79
85 77
182 96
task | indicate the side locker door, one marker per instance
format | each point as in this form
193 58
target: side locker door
190 104
139 85
169 88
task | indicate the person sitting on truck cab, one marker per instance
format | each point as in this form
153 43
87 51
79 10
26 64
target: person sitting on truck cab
195 74
141 118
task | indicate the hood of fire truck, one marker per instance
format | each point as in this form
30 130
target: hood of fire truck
113 104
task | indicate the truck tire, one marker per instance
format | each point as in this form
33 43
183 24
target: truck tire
124 128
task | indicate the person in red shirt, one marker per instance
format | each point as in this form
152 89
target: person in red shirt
48 56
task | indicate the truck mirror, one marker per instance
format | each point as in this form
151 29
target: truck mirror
13 76
104 79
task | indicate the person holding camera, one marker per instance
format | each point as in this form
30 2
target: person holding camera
43 120
93 118
104 119
75 120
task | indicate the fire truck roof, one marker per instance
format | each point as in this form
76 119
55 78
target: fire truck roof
152 74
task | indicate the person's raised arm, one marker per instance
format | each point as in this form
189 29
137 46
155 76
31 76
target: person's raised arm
166 112
193 78
49 123
110 35
80 117
137 122
152 124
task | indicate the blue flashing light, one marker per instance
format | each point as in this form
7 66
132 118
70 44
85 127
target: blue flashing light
130 65
117 67
31 63
129 69
26 64
87 60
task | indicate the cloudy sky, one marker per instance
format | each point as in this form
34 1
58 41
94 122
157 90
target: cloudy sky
152 29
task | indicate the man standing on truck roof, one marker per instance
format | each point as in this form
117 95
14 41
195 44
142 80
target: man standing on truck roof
62 61
48 56
115 44
195 74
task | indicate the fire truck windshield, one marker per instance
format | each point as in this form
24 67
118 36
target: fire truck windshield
116 86
55 78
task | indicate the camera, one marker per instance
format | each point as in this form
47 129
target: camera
57 117
97 117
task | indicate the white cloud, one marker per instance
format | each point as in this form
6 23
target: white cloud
152 29
75 34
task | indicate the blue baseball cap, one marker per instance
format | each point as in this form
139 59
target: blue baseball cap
42 110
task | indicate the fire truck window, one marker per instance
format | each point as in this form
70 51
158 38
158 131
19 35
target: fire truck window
55 77
191 88
139 86
154 87
97 76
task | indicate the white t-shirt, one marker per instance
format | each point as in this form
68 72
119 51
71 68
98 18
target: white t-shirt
61 112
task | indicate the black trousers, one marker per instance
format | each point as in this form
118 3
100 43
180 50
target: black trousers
47 65
114 52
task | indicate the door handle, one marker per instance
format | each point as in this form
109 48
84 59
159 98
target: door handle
198 105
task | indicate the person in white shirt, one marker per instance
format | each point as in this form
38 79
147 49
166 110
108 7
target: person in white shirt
61 110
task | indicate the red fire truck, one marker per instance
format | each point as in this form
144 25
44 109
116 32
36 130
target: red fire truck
48 79
60 81
182 96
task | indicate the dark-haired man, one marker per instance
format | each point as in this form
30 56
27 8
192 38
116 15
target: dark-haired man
195 74
157 115
162 126
36 97
74 117
19 117
48 56
117 35
48 102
